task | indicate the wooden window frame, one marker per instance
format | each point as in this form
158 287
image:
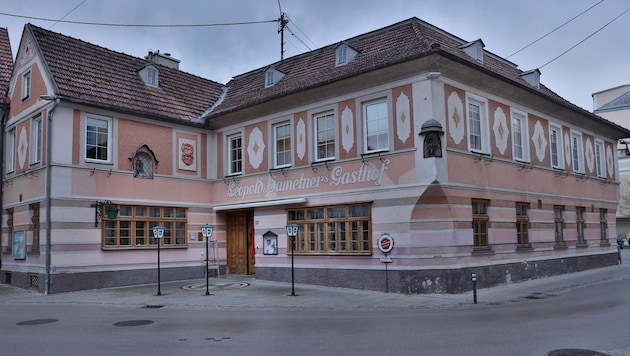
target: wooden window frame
522 225
580 213
558 221
321 231
480 224
603 225
134 218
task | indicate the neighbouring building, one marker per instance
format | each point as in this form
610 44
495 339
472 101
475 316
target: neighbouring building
614 105
408 158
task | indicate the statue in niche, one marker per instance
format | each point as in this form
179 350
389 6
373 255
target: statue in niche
432 145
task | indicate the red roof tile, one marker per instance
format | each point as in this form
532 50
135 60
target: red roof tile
6 62
404 41
94 75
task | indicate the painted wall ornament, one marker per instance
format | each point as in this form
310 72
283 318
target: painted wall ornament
456 117
610 162
501 131
301 139
256 147
347 129
540 142
589 155
22 148
187 154
403 121
568 154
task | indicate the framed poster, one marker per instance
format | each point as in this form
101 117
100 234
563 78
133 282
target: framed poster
19 245
270 243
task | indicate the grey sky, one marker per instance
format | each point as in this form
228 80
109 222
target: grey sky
221 52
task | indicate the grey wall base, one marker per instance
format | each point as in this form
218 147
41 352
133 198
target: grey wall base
449 281
70 282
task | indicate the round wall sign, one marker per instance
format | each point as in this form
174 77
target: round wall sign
385 243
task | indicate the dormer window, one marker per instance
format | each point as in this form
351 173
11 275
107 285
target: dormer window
150 75
532 77
474 50
272 76
344 54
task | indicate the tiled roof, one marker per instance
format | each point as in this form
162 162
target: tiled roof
6 62
401 42
94 75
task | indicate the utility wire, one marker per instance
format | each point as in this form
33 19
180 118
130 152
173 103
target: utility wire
139 25
554 30
298 38
591 35
68 13
302 32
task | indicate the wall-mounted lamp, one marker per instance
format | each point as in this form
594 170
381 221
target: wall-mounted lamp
111 211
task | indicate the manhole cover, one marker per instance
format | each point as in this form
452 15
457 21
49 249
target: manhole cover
576 352
37 322
133 323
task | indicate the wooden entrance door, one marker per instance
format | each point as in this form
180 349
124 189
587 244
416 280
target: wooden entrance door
239 227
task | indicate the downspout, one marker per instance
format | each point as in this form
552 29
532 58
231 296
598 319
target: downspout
48 189
5 107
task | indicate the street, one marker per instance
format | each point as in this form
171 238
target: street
589 317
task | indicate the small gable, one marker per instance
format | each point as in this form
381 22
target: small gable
474 49
344 54
532 77
272 76
150 75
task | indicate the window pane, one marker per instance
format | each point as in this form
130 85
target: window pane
376 126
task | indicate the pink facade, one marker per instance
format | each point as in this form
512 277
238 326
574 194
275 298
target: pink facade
469 167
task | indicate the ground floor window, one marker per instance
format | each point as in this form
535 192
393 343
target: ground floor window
480 226
558 220
522 224
333 230
133 228
603 224
580 212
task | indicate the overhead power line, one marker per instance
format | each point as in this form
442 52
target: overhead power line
138 25
68 13
589 36
555 29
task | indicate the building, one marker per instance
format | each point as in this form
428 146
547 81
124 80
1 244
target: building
409 159
614 105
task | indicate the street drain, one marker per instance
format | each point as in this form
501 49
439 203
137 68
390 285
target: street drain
535 296
575 352
217 339
149 306
133 323
224 286
37 322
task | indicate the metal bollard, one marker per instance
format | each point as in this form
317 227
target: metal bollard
474 282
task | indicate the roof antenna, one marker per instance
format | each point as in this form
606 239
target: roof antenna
282 23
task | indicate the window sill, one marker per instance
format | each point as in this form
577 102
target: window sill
560 247
477 251
581 245
524 248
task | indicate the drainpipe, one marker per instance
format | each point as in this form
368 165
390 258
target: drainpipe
4 106
49 187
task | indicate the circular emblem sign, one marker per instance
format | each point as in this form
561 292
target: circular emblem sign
385 243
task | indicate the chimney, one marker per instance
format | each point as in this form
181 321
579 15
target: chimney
164 59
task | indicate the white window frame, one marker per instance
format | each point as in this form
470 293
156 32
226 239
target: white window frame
600 158
381 124
577 152
26 85
522 131
110 145
36 139
11 142
484 126
269 79
230 153
560 146
319 129
281 138
342 55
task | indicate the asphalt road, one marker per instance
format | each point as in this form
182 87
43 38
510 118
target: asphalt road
588 316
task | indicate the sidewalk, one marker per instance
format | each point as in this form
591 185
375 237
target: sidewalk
245 293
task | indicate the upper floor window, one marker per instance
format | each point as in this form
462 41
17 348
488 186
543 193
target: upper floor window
376 119
480 222
555 145
600 159
98 139
577 152
36 139
520 146
235 154
282 138
478 136
26 85
325 136
11 152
